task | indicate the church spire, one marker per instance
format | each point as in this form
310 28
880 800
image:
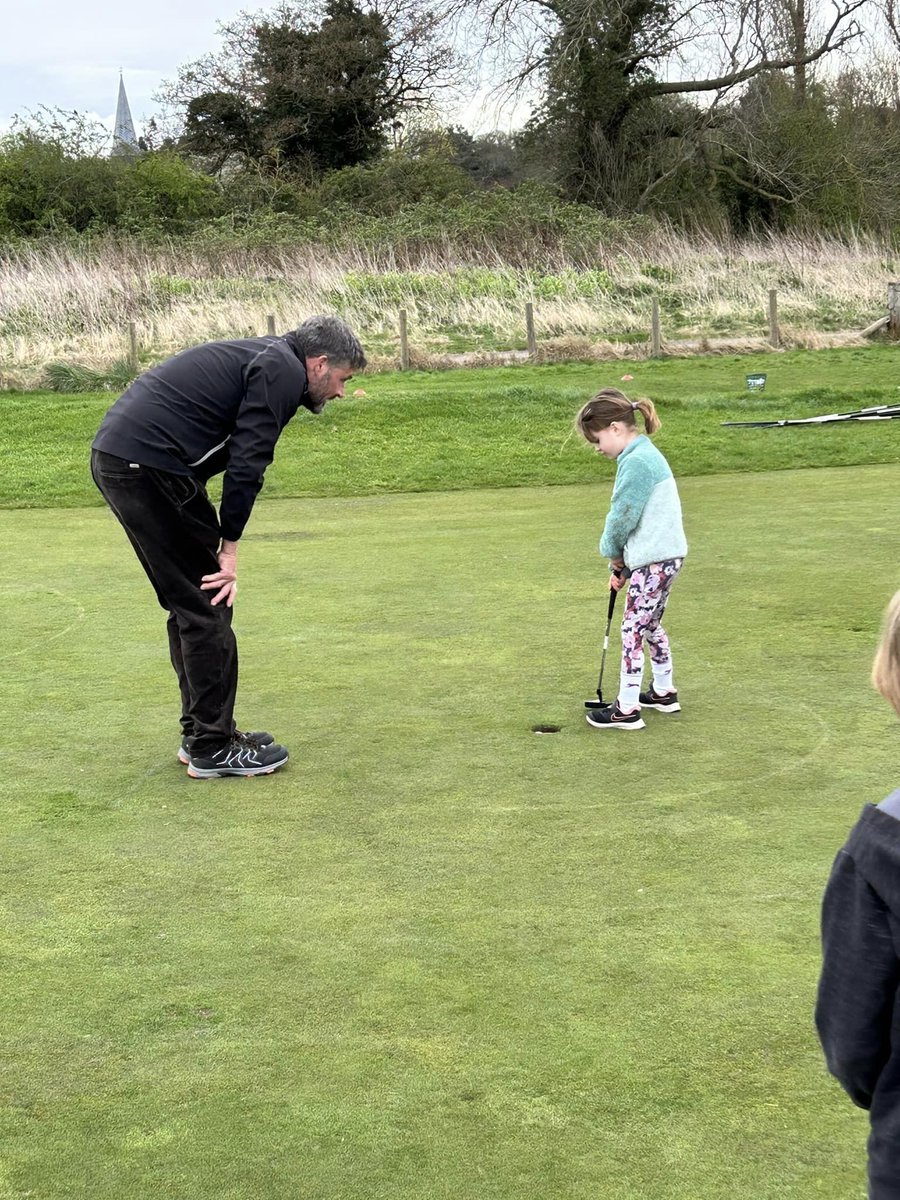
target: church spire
124 138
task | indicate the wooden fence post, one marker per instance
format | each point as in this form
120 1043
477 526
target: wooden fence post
270 325
133 362
404 342
774 331
529 330
655 332
894 310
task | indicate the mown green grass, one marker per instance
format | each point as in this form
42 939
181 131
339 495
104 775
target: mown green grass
439 956
500 428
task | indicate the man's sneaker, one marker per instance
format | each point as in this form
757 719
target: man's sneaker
259 738
667 703
613 718
238 758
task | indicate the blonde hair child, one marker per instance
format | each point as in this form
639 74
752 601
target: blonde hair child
886 667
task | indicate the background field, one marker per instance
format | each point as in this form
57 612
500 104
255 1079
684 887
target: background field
426 431
72 305
440 956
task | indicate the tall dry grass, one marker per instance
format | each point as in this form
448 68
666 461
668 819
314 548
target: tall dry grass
62 303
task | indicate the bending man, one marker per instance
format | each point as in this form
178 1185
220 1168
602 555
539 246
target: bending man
216 407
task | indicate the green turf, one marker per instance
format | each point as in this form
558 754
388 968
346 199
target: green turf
500 428
439 956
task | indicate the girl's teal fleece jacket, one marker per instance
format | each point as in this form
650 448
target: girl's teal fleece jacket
644 521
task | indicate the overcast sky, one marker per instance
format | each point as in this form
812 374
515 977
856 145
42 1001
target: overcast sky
67 53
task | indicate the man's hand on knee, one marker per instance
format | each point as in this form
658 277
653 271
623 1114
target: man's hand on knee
225 579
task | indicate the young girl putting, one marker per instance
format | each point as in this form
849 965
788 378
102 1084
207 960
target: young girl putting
643 533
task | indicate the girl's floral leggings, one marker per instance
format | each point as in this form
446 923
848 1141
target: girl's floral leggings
648 593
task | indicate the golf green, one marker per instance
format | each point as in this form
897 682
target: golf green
438 955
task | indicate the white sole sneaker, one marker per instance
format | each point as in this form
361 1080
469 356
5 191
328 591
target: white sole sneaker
625 725
669 708
223 772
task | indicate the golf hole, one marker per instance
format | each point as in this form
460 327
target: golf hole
546 728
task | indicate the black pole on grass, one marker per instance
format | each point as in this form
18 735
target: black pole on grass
881 412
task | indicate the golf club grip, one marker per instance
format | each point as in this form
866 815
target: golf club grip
612 603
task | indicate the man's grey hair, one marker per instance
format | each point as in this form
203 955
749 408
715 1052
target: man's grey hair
332 337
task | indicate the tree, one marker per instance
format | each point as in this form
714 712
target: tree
891 14
772 157
310 89
833 162
327 96
615 74
219 125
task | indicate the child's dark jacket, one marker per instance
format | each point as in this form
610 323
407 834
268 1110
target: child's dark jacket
857 1014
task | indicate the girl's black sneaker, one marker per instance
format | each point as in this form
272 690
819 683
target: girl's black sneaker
613 718
669 703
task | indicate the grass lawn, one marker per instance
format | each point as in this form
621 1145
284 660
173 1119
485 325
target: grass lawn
439 956
501 428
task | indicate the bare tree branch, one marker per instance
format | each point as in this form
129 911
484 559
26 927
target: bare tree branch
892 19
833 40
688 151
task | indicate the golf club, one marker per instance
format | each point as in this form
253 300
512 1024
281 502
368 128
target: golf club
599 702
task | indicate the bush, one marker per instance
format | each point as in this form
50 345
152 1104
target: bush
394 183
517 224
161 191
45 187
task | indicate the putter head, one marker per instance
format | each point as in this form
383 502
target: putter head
597 702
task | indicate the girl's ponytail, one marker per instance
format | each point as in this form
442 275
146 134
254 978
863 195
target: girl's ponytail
647 409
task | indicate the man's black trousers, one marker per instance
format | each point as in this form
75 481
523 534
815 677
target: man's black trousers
175 533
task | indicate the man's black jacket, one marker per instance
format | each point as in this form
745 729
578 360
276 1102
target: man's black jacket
216 407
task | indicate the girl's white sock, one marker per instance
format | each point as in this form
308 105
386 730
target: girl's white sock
629 691
662 678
